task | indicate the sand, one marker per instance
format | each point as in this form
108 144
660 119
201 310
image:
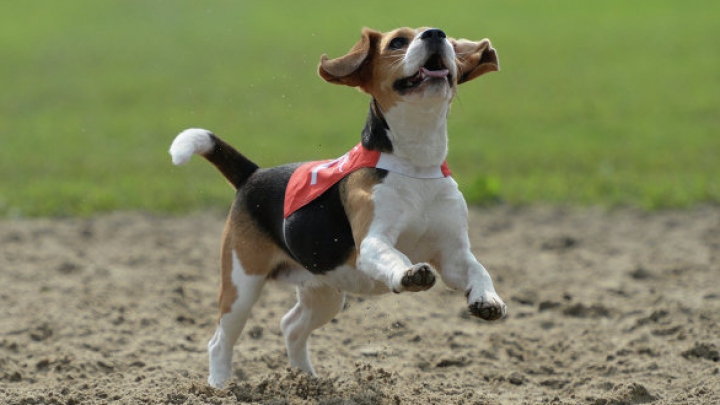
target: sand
605 308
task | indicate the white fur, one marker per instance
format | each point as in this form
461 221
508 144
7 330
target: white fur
418 132
416 221
189 142
417 55
423 221
220 347
316 306
418 124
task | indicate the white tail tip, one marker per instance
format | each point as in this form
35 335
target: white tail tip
189 142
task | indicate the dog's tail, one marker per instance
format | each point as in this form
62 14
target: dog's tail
232 164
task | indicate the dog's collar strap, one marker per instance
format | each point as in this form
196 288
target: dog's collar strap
394 164
312 179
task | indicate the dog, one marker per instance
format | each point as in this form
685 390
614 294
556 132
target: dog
387 216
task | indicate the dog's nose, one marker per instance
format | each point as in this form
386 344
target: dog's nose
433 34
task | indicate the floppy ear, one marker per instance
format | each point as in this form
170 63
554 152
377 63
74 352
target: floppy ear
474 59
348 69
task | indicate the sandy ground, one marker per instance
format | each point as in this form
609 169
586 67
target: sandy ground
605 308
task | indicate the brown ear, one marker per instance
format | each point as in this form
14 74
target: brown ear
348 69
474 58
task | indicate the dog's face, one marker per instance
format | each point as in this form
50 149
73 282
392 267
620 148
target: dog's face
410 65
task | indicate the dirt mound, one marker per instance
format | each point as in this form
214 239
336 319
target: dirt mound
605 308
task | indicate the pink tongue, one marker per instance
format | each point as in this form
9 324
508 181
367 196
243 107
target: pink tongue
435 73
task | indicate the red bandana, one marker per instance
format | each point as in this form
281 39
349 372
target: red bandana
312 179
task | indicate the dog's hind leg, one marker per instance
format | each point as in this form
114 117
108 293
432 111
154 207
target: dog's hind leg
316 306
238 294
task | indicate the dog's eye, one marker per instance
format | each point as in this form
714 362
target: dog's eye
398 43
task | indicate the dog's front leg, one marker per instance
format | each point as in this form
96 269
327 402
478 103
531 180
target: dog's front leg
379 259
461 270
377 216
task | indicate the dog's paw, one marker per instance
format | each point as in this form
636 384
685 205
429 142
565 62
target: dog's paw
419 277
218 380
488 306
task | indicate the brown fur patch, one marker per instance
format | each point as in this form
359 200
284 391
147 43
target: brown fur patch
228 291
387 67
357 192
370 65
256 252
351 69
254 248
474 59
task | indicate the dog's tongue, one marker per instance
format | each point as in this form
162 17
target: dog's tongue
434 73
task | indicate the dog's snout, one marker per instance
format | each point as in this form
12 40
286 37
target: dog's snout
433 39
433 34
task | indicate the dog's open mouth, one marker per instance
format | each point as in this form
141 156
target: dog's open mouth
433 69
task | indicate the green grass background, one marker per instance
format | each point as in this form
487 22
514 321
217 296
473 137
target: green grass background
598 102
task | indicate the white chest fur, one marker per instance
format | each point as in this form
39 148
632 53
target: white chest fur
419 215
418 131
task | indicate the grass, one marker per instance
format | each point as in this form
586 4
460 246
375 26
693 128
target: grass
609 103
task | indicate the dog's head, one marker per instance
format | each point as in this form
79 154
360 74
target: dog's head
409 65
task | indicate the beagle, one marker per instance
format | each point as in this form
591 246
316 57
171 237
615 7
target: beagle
387 216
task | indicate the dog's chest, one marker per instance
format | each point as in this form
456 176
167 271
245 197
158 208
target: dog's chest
419 213
419 240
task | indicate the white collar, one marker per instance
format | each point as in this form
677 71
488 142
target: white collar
394 164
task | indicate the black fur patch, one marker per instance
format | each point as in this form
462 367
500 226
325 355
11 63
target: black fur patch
232 164
263 197
374 134
318 235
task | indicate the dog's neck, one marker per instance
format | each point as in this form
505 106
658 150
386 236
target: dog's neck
415 133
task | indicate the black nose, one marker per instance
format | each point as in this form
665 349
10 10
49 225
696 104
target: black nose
433 34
